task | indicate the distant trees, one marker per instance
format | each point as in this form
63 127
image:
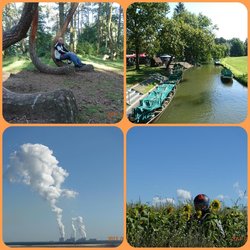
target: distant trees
246 46
232 47
237 47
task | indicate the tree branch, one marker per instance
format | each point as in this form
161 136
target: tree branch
19 31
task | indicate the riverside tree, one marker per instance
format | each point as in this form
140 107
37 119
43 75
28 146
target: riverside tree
144 20
185 35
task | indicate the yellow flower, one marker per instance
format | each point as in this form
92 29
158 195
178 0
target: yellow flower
198 214
186 212
170 210
187 208
215 205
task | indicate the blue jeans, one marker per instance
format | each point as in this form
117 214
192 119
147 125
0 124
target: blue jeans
72 57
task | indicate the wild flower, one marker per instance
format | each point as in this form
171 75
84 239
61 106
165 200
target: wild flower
215 205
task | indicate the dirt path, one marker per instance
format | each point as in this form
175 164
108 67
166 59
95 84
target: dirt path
99 94
104 68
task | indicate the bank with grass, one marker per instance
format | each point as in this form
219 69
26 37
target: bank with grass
238 65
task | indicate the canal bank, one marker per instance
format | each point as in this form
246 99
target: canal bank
238 65
203 98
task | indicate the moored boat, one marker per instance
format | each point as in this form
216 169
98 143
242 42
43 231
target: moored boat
226 74
217 63
154 103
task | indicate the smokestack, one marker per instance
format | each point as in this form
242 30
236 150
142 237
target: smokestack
61 239
73 228
35 165
80 226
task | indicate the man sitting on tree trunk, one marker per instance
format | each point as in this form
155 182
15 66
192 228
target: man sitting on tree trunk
61 53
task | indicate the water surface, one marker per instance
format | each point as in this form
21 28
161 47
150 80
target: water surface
203 98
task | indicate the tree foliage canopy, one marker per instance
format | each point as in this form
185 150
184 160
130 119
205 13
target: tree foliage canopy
95 28
185 35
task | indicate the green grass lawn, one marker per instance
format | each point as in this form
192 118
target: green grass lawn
134 76
239 66
117 64
17 64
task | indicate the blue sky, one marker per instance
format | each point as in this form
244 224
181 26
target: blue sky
210 160
93 157
231 18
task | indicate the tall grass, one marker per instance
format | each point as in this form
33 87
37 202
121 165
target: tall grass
177 226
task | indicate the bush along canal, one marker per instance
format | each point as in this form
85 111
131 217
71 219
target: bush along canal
203 98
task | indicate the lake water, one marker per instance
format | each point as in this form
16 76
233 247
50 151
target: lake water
203 98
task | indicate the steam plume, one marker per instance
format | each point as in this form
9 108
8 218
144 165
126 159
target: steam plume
73 228
35 165
78 221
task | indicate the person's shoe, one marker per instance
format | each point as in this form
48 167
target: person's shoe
78 66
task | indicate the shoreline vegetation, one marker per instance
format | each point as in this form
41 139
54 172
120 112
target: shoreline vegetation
238 65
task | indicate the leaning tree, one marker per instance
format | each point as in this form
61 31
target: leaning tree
19 31
53 107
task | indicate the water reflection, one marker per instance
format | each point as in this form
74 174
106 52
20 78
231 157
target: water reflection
203 98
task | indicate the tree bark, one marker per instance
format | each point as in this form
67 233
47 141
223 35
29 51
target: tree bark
71 35
61 32
19 31
109 31
169 62
53 107
99 27
61 15
35 59
119 27
137 55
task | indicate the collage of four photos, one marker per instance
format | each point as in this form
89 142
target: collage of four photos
124 124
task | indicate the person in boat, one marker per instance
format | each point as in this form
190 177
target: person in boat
61 53
206 218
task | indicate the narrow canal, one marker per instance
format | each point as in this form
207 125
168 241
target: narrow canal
202 98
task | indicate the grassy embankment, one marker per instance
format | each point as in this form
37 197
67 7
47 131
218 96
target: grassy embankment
175 226
238 65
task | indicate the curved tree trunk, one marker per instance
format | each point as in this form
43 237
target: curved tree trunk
52 107
19 31
61 32
36 61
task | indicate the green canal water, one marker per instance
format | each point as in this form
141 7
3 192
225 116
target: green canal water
202 98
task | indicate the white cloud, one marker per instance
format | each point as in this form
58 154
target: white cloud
239 191
222 197
183 194
160 201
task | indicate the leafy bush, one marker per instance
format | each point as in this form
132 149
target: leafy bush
178 226
86 48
